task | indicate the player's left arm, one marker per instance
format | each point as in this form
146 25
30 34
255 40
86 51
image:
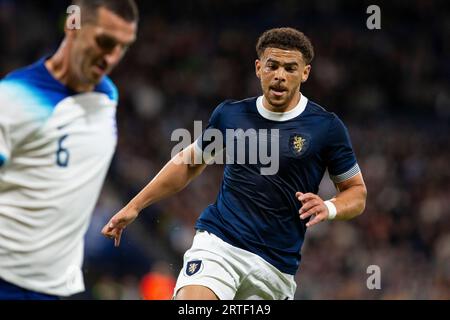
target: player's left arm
349 202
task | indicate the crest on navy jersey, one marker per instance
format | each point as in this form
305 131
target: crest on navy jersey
298 144
192 267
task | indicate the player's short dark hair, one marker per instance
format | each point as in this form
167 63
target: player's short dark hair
126 9
287 39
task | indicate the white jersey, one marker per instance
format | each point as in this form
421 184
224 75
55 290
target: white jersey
55 149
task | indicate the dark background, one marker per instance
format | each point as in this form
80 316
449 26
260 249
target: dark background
391 87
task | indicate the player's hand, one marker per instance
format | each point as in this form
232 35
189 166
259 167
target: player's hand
312 205
114 228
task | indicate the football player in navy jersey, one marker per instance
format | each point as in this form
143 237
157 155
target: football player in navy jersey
247 244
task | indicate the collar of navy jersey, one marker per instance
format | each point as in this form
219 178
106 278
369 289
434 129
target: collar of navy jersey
281 116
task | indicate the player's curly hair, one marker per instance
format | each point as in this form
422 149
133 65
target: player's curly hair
288 39
126 9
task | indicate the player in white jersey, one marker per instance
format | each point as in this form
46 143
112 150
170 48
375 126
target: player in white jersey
57 137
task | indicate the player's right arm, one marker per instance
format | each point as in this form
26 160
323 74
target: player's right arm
172 178
5 125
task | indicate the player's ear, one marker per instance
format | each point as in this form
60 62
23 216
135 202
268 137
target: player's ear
306 72
258 68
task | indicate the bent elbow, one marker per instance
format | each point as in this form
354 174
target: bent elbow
362 205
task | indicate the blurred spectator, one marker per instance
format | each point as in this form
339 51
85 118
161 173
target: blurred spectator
158 284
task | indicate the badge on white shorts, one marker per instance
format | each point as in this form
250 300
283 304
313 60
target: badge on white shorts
192 267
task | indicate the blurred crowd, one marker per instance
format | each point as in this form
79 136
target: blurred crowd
391 87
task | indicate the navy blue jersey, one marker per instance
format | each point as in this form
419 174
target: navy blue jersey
258 212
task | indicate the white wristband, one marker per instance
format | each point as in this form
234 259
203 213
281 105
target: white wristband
332 211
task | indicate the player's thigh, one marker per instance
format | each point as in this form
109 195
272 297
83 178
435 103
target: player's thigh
265 282
255 288
203 271
9 291
206 264
195 292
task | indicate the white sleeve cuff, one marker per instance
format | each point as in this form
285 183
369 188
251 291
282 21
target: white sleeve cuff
346 175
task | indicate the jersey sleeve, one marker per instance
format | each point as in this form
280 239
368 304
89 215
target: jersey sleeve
5 126
341 160
16 124
210 135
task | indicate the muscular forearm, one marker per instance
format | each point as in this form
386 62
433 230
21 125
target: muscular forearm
172 178
350 202
175 175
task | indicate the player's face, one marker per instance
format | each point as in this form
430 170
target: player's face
281 73
99 46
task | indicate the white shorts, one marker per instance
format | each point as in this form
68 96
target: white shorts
231 272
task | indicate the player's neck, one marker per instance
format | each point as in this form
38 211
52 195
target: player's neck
292 104
59 67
